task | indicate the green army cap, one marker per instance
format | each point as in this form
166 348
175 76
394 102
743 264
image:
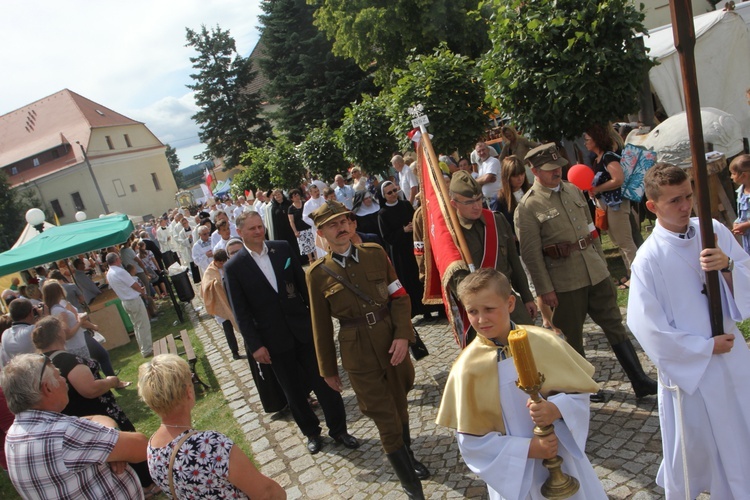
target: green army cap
545 157
328 211
464 184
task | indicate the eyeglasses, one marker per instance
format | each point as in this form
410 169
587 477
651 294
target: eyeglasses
469 202
46 362
392 191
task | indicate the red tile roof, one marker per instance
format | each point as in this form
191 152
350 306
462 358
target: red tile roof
63 117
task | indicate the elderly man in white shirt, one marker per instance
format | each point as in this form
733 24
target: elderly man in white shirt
489 173
129 292
407 181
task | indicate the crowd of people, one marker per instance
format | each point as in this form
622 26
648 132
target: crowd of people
278 268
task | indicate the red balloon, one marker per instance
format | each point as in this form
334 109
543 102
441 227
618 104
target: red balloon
582 176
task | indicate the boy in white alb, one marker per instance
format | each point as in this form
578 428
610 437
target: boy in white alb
704 397
495 420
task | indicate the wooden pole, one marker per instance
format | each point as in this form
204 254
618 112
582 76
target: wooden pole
438 177
684 41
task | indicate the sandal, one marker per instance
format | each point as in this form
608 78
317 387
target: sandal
624 286
622 281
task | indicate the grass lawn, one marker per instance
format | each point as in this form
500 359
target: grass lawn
210 412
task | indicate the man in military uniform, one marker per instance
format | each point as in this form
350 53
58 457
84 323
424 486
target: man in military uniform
563 254
357 285
491 243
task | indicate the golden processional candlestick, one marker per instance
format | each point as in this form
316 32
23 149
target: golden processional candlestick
558 485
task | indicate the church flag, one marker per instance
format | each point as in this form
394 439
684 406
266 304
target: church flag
442 255
209 180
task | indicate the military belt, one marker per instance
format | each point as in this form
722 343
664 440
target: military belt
562 250
368 319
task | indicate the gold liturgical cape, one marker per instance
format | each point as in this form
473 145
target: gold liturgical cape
471 400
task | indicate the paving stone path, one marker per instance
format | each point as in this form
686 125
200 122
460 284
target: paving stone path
624 443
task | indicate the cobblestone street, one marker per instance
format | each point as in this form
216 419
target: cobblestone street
624 443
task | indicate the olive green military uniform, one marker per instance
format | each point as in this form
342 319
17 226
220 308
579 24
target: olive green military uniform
381 389
547 218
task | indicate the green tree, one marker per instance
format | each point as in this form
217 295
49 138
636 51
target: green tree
174 165
557 66
321 154
256 173
374 31
365 136
306 80
285 166
230 115
453 98
13 207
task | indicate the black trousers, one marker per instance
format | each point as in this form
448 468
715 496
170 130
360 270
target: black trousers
229 335
297 372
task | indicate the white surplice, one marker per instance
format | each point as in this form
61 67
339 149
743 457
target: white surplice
709 394
502 461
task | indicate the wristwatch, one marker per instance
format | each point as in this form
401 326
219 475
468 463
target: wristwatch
730 266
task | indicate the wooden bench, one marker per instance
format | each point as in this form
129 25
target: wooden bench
167 345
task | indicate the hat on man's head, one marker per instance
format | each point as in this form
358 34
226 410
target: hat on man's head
464 184
545 157
328 211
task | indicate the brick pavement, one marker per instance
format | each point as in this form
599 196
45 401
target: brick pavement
624 443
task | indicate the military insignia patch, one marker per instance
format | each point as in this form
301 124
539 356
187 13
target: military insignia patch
382 289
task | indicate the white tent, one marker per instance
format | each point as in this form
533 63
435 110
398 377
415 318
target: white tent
722 59
28 233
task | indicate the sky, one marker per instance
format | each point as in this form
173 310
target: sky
127 56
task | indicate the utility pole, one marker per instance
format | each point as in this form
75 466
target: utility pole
93 178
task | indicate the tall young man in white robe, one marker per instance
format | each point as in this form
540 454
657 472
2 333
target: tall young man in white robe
704 381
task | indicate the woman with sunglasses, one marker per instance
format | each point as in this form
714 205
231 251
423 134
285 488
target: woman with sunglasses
396 229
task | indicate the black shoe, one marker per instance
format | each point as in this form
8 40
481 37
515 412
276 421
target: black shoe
236 355
347 440
598 397
314 444
281 414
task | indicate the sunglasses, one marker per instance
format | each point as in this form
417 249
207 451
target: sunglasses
46 362
388 193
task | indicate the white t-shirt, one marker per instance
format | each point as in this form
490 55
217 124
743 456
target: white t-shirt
407 180
490 166
121 282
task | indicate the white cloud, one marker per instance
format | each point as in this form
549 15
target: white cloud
130 56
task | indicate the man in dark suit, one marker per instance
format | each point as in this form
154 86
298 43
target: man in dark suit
268 294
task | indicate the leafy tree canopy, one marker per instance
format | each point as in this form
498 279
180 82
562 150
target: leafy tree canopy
256 174
309 83
321 154
374 31
275 165
230 115
365 136
556 66
447 86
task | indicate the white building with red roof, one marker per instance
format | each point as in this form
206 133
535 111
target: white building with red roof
61 147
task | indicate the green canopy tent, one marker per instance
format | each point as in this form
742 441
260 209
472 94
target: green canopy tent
62 242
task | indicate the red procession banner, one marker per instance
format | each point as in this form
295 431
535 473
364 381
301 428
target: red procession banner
442 254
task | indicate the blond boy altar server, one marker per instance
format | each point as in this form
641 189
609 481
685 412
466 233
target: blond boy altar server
495 420
704 381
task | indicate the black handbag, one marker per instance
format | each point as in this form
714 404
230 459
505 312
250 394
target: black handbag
418 348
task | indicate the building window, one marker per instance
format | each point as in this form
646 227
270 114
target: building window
118 187
109 142
156 181
55 154
57 208
35 161
132 188
127 141
13 170
78 201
